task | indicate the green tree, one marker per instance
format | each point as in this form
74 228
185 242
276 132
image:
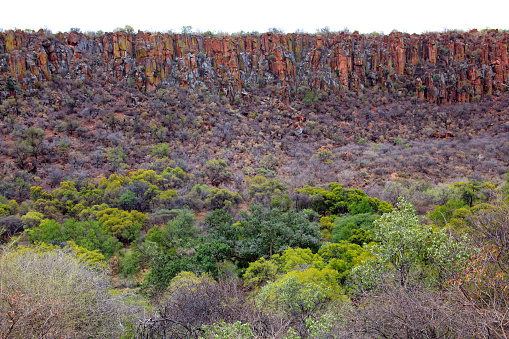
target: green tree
125 225
88 234
237 330
34 138
268 231
405 250
295 298
28 143
161 150
187 29
181 231
347 225
324 156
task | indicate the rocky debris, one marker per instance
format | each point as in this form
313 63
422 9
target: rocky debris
438 67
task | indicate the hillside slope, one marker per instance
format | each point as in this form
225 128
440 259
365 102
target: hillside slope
358 109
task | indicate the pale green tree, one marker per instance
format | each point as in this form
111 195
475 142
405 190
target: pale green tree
407 251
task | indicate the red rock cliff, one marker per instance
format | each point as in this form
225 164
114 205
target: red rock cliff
439 67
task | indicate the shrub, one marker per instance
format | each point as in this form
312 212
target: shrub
347 225
89 234
324 156
50 292
217 172
264 191
161 150
9 225
223 198
194 303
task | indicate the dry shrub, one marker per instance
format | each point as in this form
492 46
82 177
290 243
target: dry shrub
194 303
419 312
50 293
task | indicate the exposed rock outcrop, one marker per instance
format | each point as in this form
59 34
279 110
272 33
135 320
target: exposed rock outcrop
438 67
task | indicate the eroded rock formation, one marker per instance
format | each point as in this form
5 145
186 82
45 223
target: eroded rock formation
438 67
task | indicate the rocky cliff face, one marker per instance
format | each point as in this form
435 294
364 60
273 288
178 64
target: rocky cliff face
438 67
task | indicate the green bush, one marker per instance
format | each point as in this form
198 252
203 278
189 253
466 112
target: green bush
223 198
161 150
88 234
217 172
346 226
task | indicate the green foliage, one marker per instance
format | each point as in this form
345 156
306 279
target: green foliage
345 226
10 84
128 201
225 330
296 296
401 141
31 142
49 208
405 249
223 198
116 156
93 258
269 162
181 231
264 191
342 257
265 232
163 268
88 234
10 208
36 193
125 225
131 262
324 156
210 256
470 192
187 29
262 271
147 176
360 237
320 326
197 196
219 224
309 98
161 150
444 214
217 172
261 233
164 199
331 265
326 227
338 200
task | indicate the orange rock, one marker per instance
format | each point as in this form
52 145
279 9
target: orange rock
469 63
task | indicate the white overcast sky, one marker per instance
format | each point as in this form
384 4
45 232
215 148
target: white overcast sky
259 15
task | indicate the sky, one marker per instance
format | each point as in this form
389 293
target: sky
232 16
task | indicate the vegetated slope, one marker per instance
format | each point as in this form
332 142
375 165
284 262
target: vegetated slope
75 118
351 108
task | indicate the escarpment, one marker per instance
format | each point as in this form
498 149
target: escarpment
440 68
